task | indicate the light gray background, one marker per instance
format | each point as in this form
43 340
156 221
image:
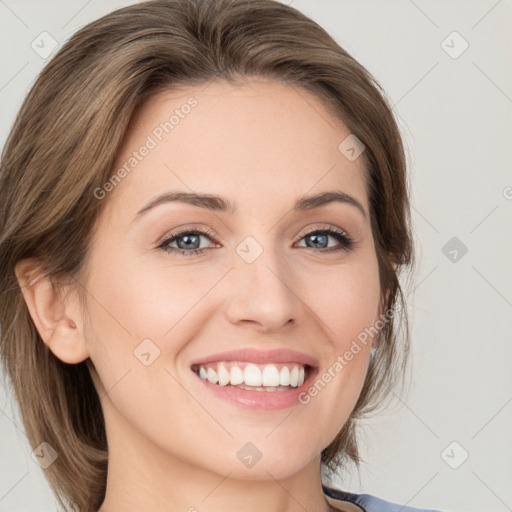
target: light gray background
455 114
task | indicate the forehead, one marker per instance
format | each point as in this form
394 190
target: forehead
259 142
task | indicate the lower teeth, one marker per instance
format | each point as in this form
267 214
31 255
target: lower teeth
263 388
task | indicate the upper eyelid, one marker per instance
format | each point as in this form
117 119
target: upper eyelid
211 231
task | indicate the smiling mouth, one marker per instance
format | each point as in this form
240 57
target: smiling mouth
254 377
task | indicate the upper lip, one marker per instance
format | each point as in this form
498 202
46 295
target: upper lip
260 356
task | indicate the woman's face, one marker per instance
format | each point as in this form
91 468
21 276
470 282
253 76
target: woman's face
269 281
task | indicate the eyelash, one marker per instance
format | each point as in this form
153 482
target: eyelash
346 242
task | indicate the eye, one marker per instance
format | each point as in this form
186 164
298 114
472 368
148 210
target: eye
321 237
191 238
188 240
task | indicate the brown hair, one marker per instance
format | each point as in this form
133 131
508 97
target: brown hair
63 145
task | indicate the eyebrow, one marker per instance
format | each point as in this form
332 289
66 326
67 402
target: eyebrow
220 204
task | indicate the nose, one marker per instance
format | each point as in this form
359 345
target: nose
264 293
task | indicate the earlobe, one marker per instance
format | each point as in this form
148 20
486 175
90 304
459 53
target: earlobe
56 319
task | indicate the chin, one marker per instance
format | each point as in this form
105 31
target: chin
267 463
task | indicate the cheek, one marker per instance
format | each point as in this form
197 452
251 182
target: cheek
347 305
158 298
139 302
142 316
346 300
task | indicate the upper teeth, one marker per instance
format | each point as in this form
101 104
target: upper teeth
250 374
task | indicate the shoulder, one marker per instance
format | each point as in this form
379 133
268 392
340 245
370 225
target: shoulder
371 503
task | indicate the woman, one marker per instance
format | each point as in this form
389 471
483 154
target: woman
204 214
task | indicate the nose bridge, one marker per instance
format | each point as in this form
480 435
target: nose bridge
261 290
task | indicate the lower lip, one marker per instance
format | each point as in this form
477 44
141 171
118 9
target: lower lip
260 400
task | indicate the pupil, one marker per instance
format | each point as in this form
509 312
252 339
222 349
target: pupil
187 238
316 238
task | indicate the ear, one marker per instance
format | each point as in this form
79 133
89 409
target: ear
380 313
57 320
383 304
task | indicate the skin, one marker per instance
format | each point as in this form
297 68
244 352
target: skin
172 444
